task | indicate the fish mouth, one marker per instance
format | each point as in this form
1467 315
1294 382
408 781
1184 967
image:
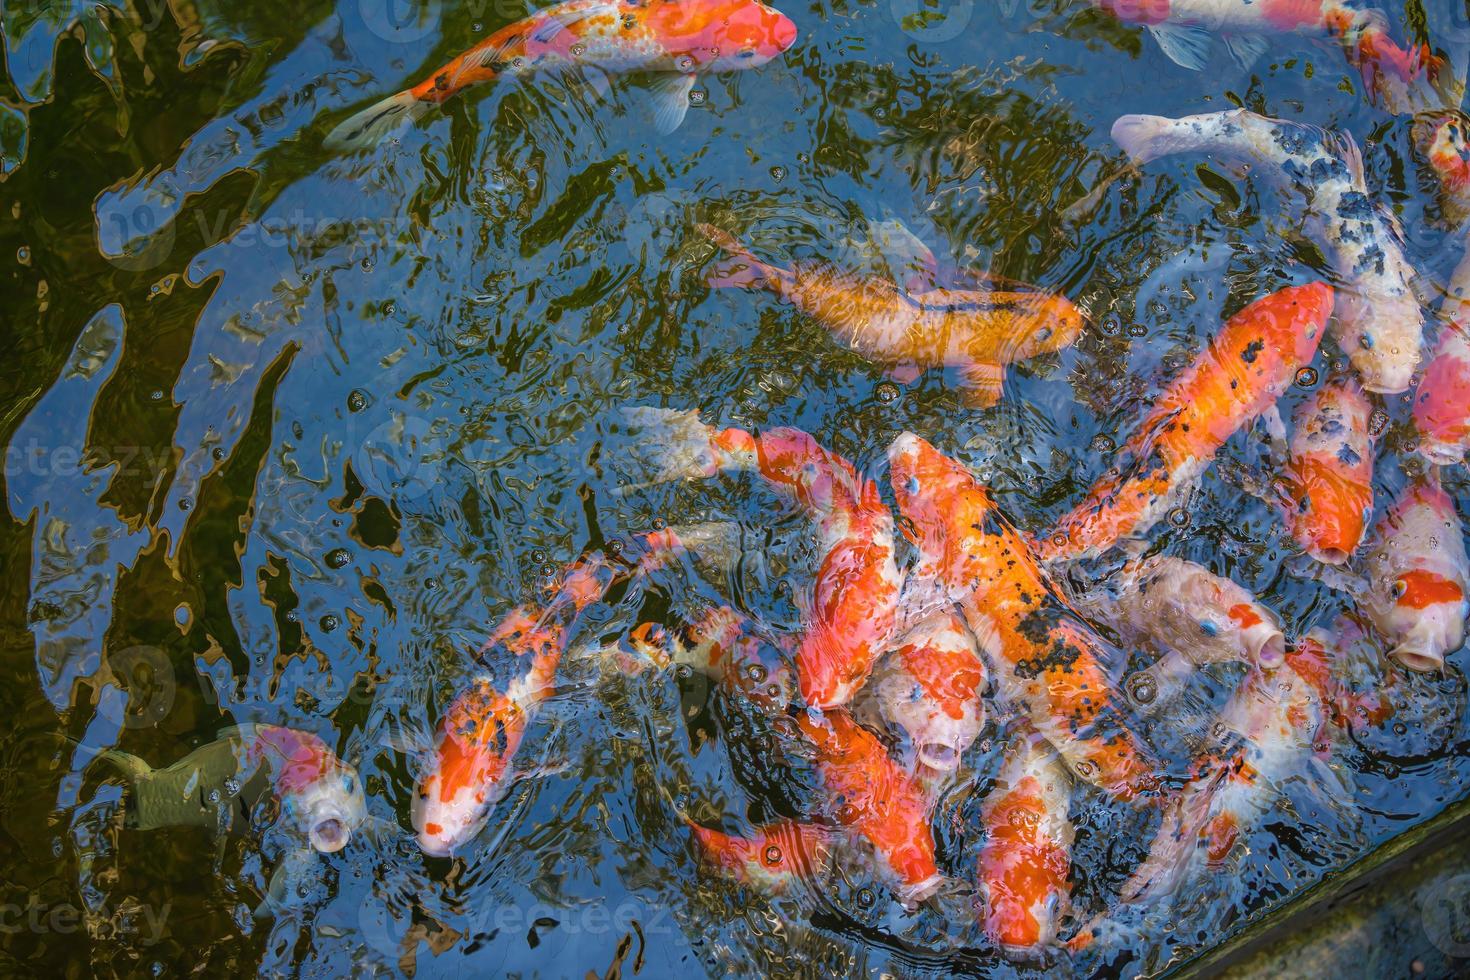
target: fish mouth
1332 556
1419 660
940 757
330 834
1267 646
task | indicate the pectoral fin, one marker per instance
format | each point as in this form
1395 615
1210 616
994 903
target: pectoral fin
1187 47
905 372
671 101
1246 49
981 384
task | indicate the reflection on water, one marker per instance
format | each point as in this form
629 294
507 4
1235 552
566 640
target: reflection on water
289 430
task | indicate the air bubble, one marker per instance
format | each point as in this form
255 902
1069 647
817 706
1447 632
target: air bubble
887 392
1179 517
697 97
1103 443
773 854
1137 330
356 400
778 173
339 557
1377 422
1306 377
329 622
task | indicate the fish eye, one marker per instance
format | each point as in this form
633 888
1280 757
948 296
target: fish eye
1399 588
912 485
1209 627
745 53
349 783
1366 341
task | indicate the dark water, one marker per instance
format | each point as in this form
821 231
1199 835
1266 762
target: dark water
288 431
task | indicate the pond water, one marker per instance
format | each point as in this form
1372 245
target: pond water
290 429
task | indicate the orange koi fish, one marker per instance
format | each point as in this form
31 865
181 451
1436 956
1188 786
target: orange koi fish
930 688
854 602
483 726
1328 483
1246 367
772 859
875 799
1184 29
681 39
1417 575
1043 657
1191 616
1442 403
1024 865
978 332
722 645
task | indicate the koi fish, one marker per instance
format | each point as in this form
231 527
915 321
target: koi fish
978 332
1237 378
1442 403
1192 616
679 39
1417 575
1265 739
930 688
1328 483
219 785
1184 29
772 859
872 797
483 726
1443 141
1025 862
854 601
1043 657
1380 325
722 645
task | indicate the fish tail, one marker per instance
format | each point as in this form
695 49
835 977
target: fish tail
743 269
126 763
365 129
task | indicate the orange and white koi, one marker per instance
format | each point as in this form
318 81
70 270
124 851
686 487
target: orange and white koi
484 724
722 644
1417 577
978 332
1024 865
1327 487
1443 141
1380 324
1192 616
680 39
874 798
1442 403
1184 29
1236 379
930 687
854 602
1043 657
772 859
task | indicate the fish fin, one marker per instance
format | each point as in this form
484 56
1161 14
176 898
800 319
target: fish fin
904 251
671 101
364 130
1275 428
673 443
597 80
284 880
982 383
905 372
1187 47
1138 135
1246 49
410 738
126 763
1333 576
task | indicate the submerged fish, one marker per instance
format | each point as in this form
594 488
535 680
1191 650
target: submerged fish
1025 864
978 332
1442 403
1043 657
872 797
1191 616
1237 378
722 645
219 785
1185 30
1443 141
680 39
850 615
1417 575
772 859
1380 325
1327 487
930 687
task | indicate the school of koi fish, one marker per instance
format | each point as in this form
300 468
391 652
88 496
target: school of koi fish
932 613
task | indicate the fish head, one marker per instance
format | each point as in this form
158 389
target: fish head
1382 335
1050 323
931 690
1443 140
480 732
926 484
329 808
727 35
1440 405
1427 617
